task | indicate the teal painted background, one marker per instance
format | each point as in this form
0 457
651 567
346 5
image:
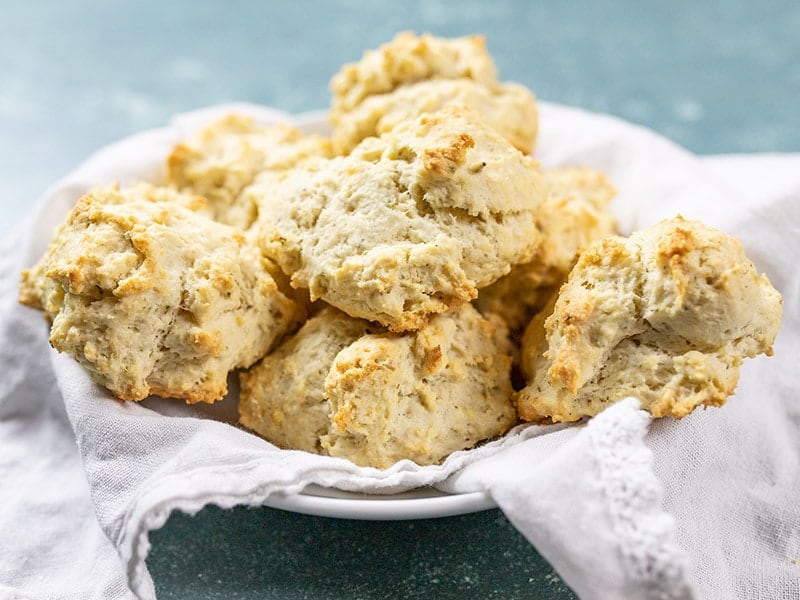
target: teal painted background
716 77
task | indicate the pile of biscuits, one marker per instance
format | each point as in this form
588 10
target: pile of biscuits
410 286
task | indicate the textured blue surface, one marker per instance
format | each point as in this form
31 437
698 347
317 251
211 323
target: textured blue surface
714 76
269 554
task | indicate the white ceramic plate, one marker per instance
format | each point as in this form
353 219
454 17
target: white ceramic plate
423 503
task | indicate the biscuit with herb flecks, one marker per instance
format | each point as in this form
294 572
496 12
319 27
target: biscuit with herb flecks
409 58
667 316
573 216
508 107
344 387
222 159
409 224
153 297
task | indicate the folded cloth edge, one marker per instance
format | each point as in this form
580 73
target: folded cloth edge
642 535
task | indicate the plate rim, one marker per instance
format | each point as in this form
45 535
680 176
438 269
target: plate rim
419 503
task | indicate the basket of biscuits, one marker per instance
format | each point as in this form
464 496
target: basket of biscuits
412 284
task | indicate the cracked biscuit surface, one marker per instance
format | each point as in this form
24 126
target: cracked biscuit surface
339 387
281 398
414 75
508 107
666 315
409 224
222 159
153 297
410 58
573 215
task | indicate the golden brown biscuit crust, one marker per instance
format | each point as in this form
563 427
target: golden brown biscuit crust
281 398
340 388
415 75
219 161
573 215
153 298
509 108
667 316
410 224
409 58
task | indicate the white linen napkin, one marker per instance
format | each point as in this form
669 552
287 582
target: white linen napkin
623 508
